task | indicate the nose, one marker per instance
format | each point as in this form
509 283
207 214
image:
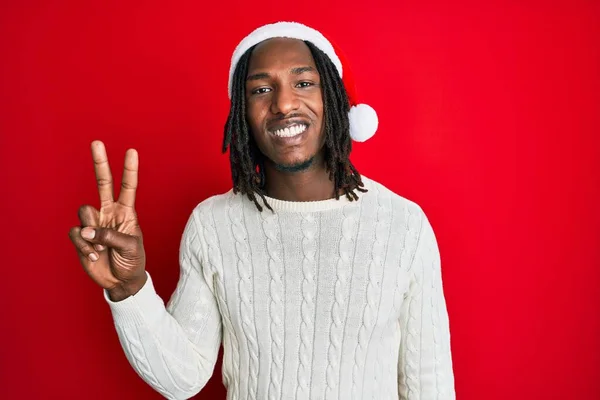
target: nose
284 101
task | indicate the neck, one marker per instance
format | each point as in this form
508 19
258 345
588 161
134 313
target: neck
311 184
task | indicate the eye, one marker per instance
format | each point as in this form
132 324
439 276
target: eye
260 90
304 84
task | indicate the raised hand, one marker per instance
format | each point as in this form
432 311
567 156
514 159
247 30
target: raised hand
109 241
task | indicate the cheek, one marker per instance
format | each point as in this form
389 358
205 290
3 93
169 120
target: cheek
256 116
316 105
255 113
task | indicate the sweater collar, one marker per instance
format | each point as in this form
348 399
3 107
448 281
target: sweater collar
315 206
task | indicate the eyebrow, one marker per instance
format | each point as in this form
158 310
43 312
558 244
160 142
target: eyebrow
257 77
265 75
299 70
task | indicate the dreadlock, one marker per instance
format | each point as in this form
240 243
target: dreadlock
246 160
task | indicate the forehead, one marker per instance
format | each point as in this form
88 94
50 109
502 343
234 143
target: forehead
280 52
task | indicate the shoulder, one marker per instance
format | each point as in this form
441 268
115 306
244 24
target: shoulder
202 215
200 232
419 234
405 212
216 202
395 201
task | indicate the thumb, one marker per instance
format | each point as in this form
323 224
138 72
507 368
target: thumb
110 238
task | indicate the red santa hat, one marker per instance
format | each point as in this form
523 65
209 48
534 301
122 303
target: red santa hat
363 118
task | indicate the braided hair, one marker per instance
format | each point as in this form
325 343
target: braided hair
246 160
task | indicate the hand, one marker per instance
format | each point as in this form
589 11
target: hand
109 241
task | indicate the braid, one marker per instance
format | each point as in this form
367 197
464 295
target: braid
246 160
338 143
247 176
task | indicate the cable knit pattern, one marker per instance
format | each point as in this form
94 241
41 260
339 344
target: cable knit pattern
435 321
422 323
407 236
307 308
135 350
214 259
338 299
238 230
276 311
372 297
440 353
411 367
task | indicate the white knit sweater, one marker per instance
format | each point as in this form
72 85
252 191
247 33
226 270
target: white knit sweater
319 300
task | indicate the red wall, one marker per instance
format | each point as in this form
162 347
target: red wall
489 118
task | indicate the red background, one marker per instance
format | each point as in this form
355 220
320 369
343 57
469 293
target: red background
489 117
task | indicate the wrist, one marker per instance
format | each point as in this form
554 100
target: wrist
127 289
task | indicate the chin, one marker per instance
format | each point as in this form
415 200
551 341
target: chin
295 166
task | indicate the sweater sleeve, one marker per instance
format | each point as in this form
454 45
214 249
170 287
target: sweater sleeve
425 364
173 348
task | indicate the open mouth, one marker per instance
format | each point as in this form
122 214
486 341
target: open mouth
290 131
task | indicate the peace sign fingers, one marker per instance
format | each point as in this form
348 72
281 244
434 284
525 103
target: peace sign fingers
109 240
103 174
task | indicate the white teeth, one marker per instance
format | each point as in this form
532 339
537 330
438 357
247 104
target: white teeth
290 131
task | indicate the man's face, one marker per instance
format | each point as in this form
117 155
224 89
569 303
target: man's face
284 105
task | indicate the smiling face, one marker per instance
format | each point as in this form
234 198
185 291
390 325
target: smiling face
284 104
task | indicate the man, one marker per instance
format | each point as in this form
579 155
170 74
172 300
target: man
319 282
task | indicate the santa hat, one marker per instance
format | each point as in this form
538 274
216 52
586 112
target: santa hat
363 118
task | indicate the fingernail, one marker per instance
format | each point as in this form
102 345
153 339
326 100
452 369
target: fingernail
88 233
93 257
99 247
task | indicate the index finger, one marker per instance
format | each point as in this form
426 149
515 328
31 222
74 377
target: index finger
103 175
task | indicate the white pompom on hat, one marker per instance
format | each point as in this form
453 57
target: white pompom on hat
363 118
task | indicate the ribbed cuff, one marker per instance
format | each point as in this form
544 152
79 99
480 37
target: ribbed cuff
144 307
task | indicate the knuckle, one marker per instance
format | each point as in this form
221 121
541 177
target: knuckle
104 181
104 235
85 248
84 211
128 186
80 244
74 232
